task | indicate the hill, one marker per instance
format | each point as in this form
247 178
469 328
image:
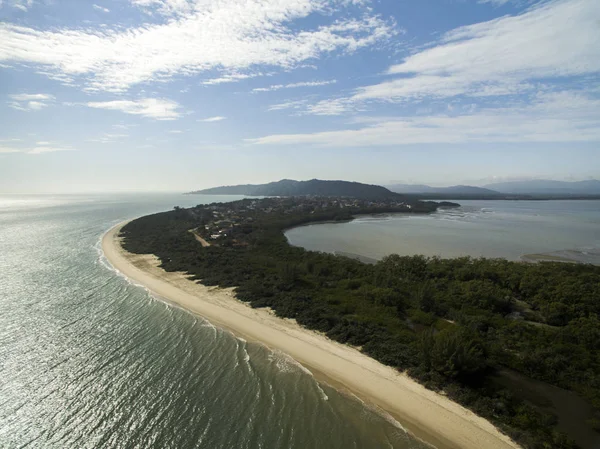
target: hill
453 190
547 187
410 188
314 187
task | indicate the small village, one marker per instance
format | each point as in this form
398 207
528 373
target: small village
230 222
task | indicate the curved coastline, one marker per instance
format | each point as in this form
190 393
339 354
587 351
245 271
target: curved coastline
572 256
427 415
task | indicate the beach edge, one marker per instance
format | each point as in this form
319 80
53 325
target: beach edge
425 414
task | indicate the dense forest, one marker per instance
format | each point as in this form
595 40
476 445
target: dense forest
456 325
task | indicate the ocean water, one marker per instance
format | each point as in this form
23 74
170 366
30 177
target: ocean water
88 360
507 229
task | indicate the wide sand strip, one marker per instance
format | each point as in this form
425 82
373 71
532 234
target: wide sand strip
426 414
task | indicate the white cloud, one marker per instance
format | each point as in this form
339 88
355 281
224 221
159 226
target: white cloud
4 149
230 36
17 106
325 107
229 78
553 41
36 105
218 118
100 8
331 107
41 147
23 5
553 117
297 104
294 85
156 108
30 102
175 131
31 97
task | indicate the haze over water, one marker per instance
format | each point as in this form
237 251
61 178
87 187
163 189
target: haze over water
88 360
507 229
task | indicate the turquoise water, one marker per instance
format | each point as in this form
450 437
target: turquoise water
88 360
507 229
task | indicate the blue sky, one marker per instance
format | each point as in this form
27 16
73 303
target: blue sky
121 95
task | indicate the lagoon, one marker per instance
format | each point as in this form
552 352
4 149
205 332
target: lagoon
513 230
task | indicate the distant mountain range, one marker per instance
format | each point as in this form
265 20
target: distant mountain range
453 190
547 187
288 187
533 188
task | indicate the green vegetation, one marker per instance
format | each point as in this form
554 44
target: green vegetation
453 324
289 187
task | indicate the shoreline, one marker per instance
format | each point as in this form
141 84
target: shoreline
425 414
549 256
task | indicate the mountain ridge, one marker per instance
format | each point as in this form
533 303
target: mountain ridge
547 187
313 187
457 190
534 189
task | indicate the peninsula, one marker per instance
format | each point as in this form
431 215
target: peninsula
464 328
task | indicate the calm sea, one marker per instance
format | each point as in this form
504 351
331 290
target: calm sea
508 229
88 360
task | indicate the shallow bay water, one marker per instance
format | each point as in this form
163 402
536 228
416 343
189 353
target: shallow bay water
507 229
89 360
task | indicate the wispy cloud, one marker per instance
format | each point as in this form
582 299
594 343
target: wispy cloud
504 2
550 42
108 138
495 2
553 117
39 148
294 85
166 7
124 125
46 149
218 118
332 107
100 8
4 149
295 104
30 97
228 78
205 36
30 102
156 108
23 5
324 107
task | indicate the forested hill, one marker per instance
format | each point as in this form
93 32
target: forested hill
314 187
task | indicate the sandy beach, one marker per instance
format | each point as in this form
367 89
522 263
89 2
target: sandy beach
428 415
